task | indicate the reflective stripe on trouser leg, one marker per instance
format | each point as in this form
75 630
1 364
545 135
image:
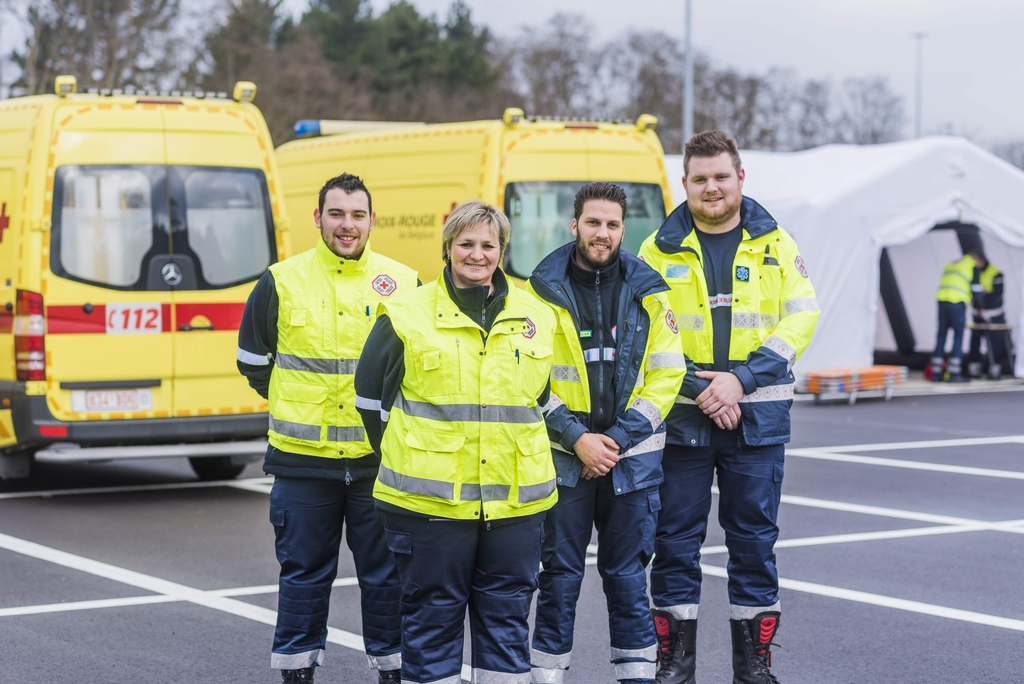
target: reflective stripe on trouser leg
489 677
548 668
751 612
387 662
454 679
635 663
297 661
685 611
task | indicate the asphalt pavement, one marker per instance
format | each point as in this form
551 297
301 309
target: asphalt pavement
900 557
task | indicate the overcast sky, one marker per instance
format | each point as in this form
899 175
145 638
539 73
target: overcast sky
973 55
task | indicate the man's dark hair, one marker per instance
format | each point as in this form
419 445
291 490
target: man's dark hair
710 144
349 184
599 191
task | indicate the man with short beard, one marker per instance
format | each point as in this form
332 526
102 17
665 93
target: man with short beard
746 311
617 369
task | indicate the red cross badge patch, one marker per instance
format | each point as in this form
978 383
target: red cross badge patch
385 285
800 265
531 329
670 321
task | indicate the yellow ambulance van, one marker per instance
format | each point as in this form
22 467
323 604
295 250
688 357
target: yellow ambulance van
532 167
132 228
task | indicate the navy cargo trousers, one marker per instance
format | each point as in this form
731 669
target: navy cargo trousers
750 487
308 515
625 533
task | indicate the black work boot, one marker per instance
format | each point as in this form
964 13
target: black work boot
677 649
751 648
389 677
297 676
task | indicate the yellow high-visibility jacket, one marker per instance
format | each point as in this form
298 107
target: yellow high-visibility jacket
649 370
326 308
774 313
465 436
955 286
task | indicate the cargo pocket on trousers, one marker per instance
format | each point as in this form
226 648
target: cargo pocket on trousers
280 545
400 544
650 525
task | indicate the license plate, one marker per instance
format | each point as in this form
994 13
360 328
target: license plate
100 401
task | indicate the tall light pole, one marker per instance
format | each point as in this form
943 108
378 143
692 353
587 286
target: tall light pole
919 36
688 78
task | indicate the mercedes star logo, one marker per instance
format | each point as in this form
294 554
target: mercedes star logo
171 273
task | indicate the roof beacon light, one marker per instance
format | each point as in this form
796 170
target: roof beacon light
512 116
306 128
65 85
245 91
646 122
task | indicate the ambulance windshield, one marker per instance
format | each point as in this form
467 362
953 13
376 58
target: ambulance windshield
541 212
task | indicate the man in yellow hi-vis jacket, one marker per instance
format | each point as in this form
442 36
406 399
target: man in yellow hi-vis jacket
302 332
745 309
953 297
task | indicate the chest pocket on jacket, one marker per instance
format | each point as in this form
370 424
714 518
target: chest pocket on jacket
531 370
302 325
438 371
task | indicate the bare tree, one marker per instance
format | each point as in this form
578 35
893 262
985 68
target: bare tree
1012 151
557 67
646 76
871 112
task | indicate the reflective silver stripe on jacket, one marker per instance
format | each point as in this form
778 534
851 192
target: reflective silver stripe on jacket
469 413
491 677
367 404
338 433
655 442
536 492
322 366
690 321
252 359
769 393
491 492
602 354
553 403
416 485
666 360
648 411
754 320
792 306
782 348
565 373
310 433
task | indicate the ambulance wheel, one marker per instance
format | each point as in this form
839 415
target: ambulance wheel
216 467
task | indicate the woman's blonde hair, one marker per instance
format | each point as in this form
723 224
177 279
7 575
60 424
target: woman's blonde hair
468 215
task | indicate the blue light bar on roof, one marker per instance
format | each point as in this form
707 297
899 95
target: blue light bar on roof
307 127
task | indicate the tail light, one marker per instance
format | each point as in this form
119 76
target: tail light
29 337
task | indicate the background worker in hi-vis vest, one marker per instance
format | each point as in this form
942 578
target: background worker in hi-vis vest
746 310
454 374
954 295
302 332
618 368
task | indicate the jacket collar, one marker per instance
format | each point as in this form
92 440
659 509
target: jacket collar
551 277
332 262
754 219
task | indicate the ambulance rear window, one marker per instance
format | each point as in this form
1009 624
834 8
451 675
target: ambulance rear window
541 212
229 228
106 224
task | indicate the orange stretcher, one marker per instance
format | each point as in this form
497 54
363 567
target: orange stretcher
849 383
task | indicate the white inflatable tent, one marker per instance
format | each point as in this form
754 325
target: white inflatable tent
845 203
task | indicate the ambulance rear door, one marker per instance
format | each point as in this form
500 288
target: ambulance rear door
108 341
223 209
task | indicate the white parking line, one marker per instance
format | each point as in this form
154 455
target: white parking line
886 601
46 494
927 444
899 463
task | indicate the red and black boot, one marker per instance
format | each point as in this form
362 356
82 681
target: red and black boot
751 648
677 649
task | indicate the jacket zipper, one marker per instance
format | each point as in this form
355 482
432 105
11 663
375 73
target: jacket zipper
600 352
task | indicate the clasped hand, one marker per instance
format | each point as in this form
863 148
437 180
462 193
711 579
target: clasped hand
598 452
720 400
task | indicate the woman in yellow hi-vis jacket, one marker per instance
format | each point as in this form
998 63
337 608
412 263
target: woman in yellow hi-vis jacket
450 387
